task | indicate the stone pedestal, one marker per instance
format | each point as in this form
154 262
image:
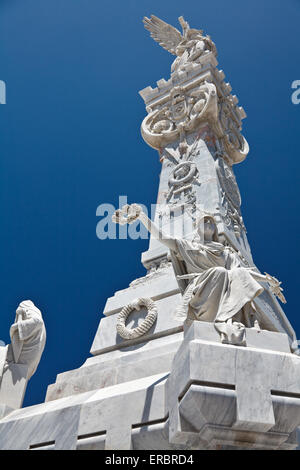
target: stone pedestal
13 383
223 396
184 390
13 386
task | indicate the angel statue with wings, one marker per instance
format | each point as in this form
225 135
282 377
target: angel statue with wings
188 46
216 285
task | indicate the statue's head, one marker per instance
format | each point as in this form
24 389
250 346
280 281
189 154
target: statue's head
27 309
207 229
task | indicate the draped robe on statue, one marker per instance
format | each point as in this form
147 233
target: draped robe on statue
28 340
221 288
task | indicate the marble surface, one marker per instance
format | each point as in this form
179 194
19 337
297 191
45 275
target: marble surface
107 337
13 385
157 286
216 389
20 359
259 388
65 422
116 367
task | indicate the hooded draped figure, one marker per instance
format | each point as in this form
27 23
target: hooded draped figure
216 286
28 337
215 283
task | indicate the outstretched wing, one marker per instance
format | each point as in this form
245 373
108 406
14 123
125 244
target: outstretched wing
166 35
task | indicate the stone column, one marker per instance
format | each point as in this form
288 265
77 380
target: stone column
195 124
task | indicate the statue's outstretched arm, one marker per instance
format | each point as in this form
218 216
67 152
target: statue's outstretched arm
156 232
130 213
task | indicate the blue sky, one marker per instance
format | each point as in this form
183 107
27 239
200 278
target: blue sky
70 140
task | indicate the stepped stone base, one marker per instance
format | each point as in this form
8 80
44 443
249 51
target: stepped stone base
222 396
183 391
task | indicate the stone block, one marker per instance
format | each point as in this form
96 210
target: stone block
107 337
118 366
238 396
163 284
13 385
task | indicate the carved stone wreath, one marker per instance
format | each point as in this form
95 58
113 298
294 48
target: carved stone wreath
146 324
190 168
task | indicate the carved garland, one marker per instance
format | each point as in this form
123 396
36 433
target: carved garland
146 324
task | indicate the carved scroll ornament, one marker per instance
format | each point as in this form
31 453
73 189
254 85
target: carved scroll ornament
184 111
229 128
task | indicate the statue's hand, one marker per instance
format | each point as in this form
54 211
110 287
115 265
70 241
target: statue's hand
275 287
127 214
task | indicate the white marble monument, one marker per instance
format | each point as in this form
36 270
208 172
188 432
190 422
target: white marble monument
198 353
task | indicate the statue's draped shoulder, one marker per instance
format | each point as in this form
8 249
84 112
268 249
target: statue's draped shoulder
198 256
